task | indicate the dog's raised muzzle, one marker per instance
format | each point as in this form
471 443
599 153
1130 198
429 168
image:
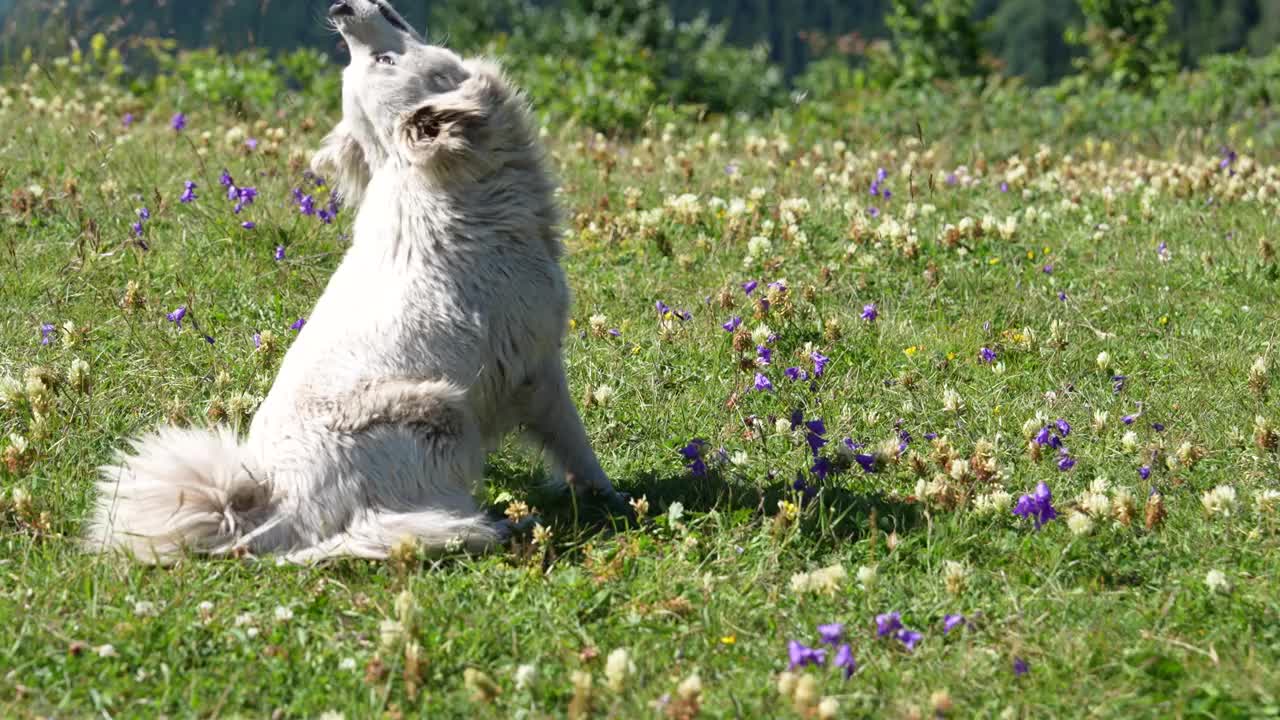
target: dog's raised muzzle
341 9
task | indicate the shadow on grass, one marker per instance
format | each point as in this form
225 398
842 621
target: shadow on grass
843 513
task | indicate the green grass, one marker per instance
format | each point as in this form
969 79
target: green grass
1115 623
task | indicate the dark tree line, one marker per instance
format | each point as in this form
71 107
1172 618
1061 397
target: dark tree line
1024 36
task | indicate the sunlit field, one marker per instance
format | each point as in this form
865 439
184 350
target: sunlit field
938 413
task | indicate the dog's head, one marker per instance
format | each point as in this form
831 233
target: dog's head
411 104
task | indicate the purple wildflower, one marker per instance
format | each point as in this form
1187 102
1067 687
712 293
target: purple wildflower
831 634
870 313
909 638
257 340
762 383
1004 187
306 204
819 363
179 122
1064 428
1062 296
873 211
188 192
298 324
800 655
1162 251
248 225
127 120
1038 506
844 660
1066 462
693 453
951 622
1047 269
987 355
867 462
137 229
1020 667
144 213
225 180
615 332
46 333
888 623
749 287
1144 472
251 144
795 373
243 196
176 316
1158 427
734 323
1128 419
662 308
764 355
279 253
1042 438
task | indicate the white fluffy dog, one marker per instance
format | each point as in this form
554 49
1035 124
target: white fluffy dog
438 334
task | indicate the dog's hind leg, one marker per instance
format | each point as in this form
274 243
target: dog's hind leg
373 535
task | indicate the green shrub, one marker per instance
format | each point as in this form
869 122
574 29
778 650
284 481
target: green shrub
1126 42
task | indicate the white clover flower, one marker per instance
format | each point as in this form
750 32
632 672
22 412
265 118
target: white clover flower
1096 504
603 394
761 334
618 668
822 581
955 576
1100 418
1080 523
525 676
1267 501
1104 361
951 401
1130 441
996 502
348 664
11 392
867 576
691 688
145 608
1217 582
1219 501
758 246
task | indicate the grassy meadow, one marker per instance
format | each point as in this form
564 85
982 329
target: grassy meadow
837 365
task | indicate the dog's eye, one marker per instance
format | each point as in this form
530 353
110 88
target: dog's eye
385 60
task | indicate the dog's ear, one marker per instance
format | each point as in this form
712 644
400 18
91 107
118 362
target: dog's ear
451 132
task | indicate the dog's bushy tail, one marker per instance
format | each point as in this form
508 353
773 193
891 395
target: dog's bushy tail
179 491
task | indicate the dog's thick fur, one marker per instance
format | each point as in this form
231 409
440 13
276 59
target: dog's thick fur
438 335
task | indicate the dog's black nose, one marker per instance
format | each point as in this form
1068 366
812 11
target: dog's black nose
340 9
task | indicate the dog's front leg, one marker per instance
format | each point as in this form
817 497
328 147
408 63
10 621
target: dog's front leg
554 421
341 161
